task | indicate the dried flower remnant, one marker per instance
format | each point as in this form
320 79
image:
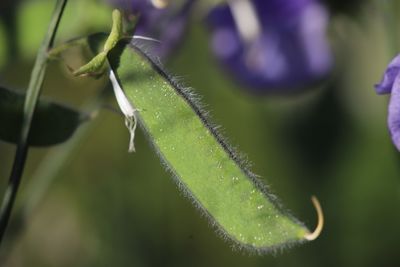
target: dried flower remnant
269 45
390 84
127 109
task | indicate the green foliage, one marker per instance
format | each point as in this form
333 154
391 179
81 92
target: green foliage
203 164
52 123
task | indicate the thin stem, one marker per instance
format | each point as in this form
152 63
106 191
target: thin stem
32 95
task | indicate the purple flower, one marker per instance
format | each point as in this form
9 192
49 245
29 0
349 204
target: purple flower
269 45
158 19
390 84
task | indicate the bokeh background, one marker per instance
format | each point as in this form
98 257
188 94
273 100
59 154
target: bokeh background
87 202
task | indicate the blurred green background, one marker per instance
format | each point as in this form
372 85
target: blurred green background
105 207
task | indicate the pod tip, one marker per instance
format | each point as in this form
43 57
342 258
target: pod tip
320 224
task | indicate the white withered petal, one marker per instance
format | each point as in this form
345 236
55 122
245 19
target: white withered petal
127 109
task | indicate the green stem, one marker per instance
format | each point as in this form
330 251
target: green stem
31 98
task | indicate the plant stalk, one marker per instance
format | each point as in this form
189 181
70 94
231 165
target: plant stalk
31 98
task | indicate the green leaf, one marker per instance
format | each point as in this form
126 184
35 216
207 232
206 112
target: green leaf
52 123
205 167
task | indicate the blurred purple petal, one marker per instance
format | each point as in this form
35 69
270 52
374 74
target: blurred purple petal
132 6
394 113
390 84
392 71
289 51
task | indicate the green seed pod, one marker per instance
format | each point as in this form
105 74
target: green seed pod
205 167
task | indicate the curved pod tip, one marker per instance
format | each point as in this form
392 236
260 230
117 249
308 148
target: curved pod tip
320 224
